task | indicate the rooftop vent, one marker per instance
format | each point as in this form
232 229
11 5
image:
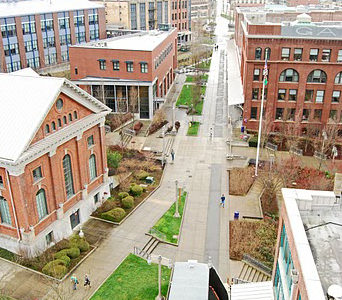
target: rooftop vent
304 18
334 292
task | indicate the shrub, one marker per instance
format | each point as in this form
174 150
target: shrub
123 195
127 202
80 243
61 254
55 268
136 190
62 244
74 252
141 175
137 126
66 260
113 159
107 205
253 141
114 215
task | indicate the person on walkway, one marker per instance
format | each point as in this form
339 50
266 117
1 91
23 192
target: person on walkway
223 198
211 132
86 280
173 155
74 281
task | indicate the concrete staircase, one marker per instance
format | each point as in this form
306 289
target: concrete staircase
150 246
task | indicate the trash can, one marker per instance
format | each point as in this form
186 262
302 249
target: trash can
236 215
242 129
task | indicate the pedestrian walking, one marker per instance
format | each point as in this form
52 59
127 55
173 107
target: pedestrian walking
74 281
223 198
211 132
173 155
86 280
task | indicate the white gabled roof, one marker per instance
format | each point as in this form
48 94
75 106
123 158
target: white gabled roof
25 100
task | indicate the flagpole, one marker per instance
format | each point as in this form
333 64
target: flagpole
261 113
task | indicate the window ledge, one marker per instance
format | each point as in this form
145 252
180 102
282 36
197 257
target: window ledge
91 147
38 180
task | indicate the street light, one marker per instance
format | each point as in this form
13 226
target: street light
163 150
176 215
159 259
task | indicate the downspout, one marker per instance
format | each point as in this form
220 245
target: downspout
13 207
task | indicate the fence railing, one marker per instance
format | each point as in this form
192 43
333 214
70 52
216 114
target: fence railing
320 155
239 281
256 263
296 151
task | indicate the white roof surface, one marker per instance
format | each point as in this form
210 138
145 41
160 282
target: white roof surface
190 281
25 100
30 7
142 41
252 291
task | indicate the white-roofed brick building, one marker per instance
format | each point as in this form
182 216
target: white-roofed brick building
53 166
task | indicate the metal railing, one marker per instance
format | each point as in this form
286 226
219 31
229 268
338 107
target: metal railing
320 155
159 235
296 151
239 281
257 264
271 146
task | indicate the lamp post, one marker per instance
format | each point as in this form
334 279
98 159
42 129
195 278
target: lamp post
163 150
176 215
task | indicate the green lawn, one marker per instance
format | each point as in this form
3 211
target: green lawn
190 78
193 130
168 224
133 279
186 96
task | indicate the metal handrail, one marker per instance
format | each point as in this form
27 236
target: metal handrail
156 233
256 263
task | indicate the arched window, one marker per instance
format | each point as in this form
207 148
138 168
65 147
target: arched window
4 212
59 123
92 167
289 75
41 204
338 78
258 52
53 126
75 115
64 120
68 179
317 76
70 117
47 128
268 51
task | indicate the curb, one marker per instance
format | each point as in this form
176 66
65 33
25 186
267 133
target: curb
132 211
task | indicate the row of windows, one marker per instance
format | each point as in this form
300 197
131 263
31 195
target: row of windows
289 114
184 4
53 127
180 25
291 75
297 54
174 16
291 95
129 66
163 55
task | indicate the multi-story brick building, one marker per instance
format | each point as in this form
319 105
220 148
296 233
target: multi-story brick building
137 14
181 19
304 65
53 167
308 251
37 33
136 68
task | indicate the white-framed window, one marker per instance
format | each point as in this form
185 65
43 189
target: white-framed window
313 54
68 179
41 204
102 64
336 96
53 126
326 54
339 56
4 211
317 76
92 167
143 67
285 53
37 174
256 75
281 94
289 75
297 54
49 238
338 78
319 96
47 128
1 182
292 95
116 65
129 66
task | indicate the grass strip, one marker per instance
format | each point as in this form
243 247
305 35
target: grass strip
193 130
168 224
133 279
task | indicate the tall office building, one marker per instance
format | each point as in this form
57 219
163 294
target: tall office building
37 33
